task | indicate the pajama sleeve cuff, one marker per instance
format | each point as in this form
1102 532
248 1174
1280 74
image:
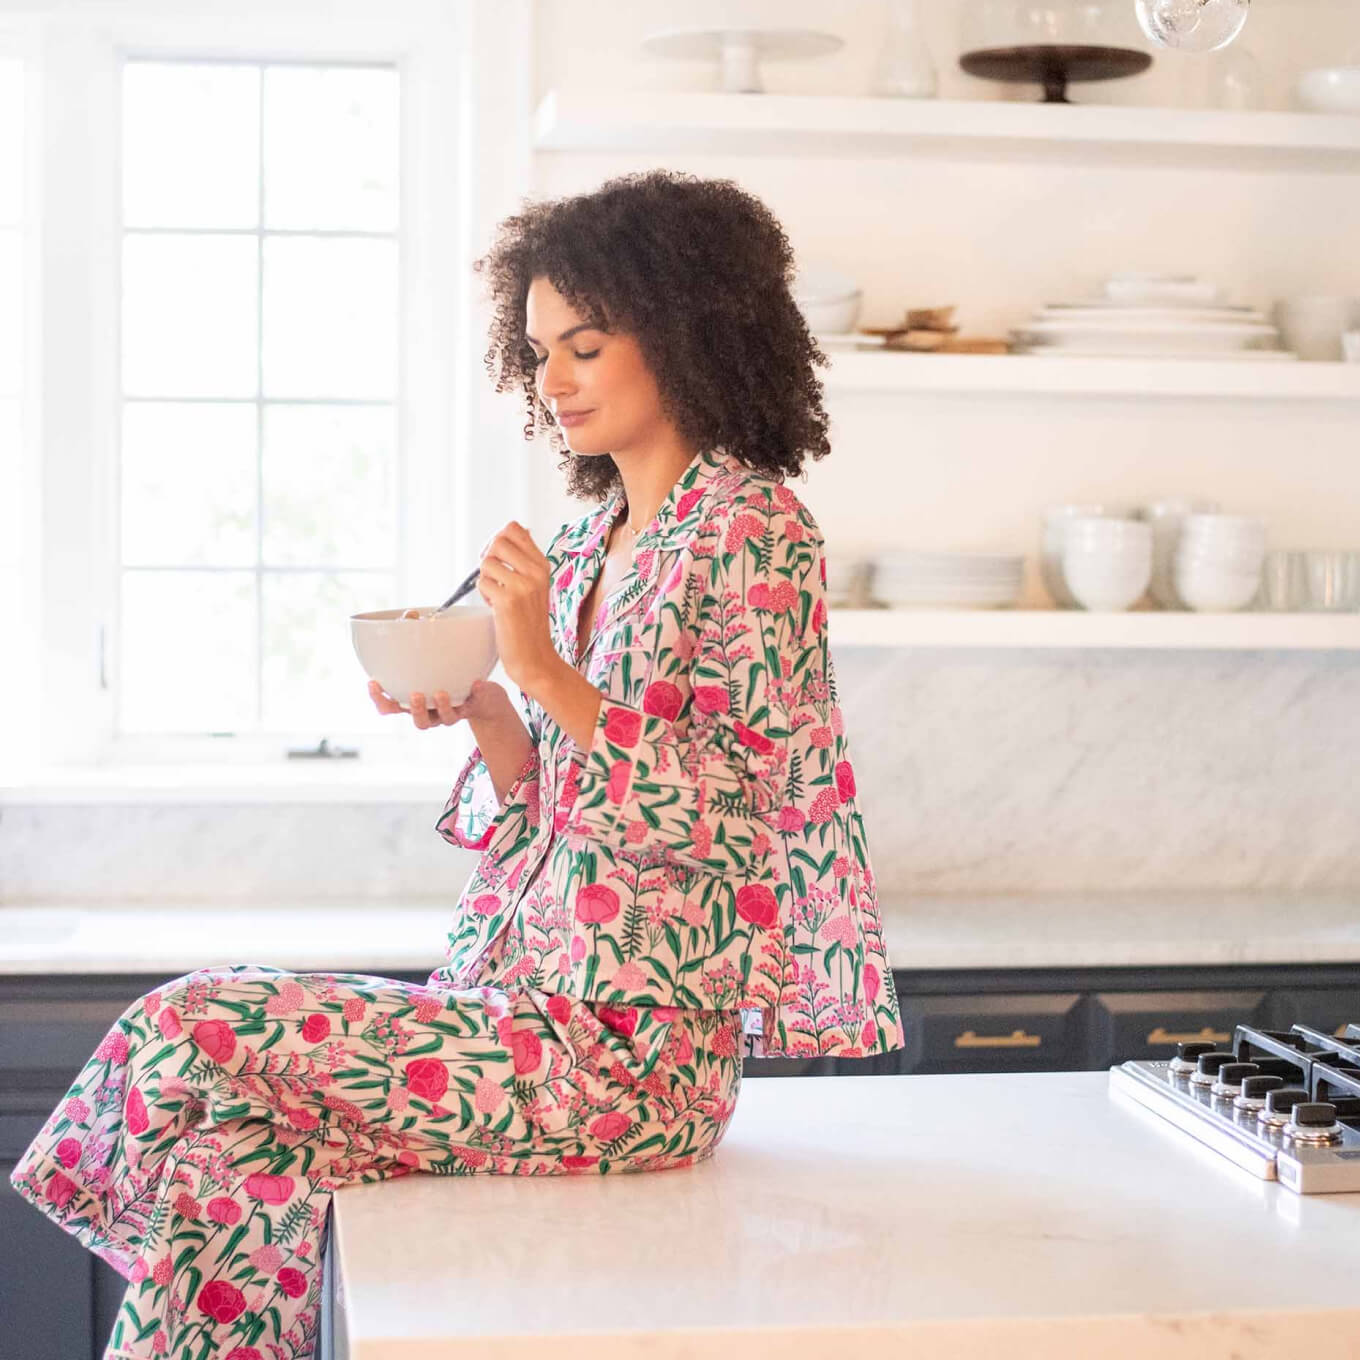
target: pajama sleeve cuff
470 815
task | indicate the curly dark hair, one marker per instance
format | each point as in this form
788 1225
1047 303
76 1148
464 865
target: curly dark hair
698 271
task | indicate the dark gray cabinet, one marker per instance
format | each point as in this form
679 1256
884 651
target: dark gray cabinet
58 1302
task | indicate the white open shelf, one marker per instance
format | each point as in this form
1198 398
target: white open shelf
899 371
1075 628
837 125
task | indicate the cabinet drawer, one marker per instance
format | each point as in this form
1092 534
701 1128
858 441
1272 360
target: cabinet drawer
52 1037
1140 1025
1007 1032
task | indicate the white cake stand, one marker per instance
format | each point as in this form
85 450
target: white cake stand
740 50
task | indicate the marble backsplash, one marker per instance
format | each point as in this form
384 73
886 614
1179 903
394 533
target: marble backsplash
980 772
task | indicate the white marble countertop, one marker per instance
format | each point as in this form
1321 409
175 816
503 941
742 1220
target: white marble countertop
1036 1216
1056 931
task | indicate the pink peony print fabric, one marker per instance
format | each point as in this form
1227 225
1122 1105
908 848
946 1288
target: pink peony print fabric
198 1148
707 851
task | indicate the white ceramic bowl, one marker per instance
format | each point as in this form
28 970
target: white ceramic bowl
1203 587
1100 581
1330 89
426 654
831 316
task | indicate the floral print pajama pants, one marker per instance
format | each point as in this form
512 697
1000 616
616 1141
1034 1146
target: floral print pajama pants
198 1149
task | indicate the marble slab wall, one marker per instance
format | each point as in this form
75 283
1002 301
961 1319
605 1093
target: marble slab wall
980 772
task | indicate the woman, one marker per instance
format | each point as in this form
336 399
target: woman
669 836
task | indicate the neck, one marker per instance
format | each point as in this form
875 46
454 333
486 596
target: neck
648 474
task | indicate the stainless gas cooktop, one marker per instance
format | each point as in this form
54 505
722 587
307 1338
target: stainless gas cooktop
1283 1104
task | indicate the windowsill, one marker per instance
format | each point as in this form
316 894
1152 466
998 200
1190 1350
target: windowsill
316 781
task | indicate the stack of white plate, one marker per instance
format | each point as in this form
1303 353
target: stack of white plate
1171 316
948 580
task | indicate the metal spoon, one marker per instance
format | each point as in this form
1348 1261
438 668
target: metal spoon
465 588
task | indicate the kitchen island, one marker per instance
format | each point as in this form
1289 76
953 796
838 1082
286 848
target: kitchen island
968 1217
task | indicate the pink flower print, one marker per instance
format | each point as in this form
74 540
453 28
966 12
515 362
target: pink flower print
578 948
216 1038
61 1190
870 1034
77 1111
838 722
793 531
701 839
221 1301
643 561
711 698
564 962
756 904
427 1078
786 501
616 790
845 780
428 1008
570 1163
316 1027
622 726
168 1024
355 1009
663 1015
841 866
173 1086
872 981
783 597
839 928
527 1051
134 1113
596 904
758 597
663 699
621 1019
635 832
138 1272
824 806
292 1282
288 998
68 1152
791 819
304 1248
821 737
163 1272
742 528
487 1095
244 1352
559 1008
160 1343
818 616
151 1003
760 845
113 1047
486 904
609 1126
267 1258
686 503
224 1211
757 741
629 977
398 1099
269 1189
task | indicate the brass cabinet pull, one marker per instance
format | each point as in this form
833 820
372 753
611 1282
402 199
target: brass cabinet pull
1017 1038
1163 1036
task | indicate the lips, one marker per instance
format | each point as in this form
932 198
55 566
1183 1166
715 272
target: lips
570 418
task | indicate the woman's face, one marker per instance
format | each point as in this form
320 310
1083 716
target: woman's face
600 392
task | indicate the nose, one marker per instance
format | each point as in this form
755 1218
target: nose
555 378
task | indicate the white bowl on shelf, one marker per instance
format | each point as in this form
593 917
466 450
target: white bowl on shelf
1107 563
831 316
1329 89
1207 586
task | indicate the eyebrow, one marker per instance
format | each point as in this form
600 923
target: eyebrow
566 335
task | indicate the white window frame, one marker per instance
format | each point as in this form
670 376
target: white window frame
466 160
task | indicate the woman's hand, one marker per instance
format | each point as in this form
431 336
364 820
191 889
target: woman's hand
485 702
515 583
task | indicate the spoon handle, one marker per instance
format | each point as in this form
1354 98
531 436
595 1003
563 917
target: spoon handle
467 585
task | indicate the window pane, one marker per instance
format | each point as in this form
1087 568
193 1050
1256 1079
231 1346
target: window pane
11 312
329 486
189 316
188 490
191 145
11 141
330 318
330 148
187 652
12 482
312 678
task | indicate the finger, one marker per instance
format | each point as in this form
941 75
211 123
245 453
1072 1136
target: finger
495 574
419 713
524 540
382 701
448 714
513 555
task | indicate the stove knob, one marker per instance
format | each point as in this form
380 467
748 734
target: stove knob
1191 1051
1230 1077
1207 1065
1279 1102
1314 1114
1256 1088
1283 1099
